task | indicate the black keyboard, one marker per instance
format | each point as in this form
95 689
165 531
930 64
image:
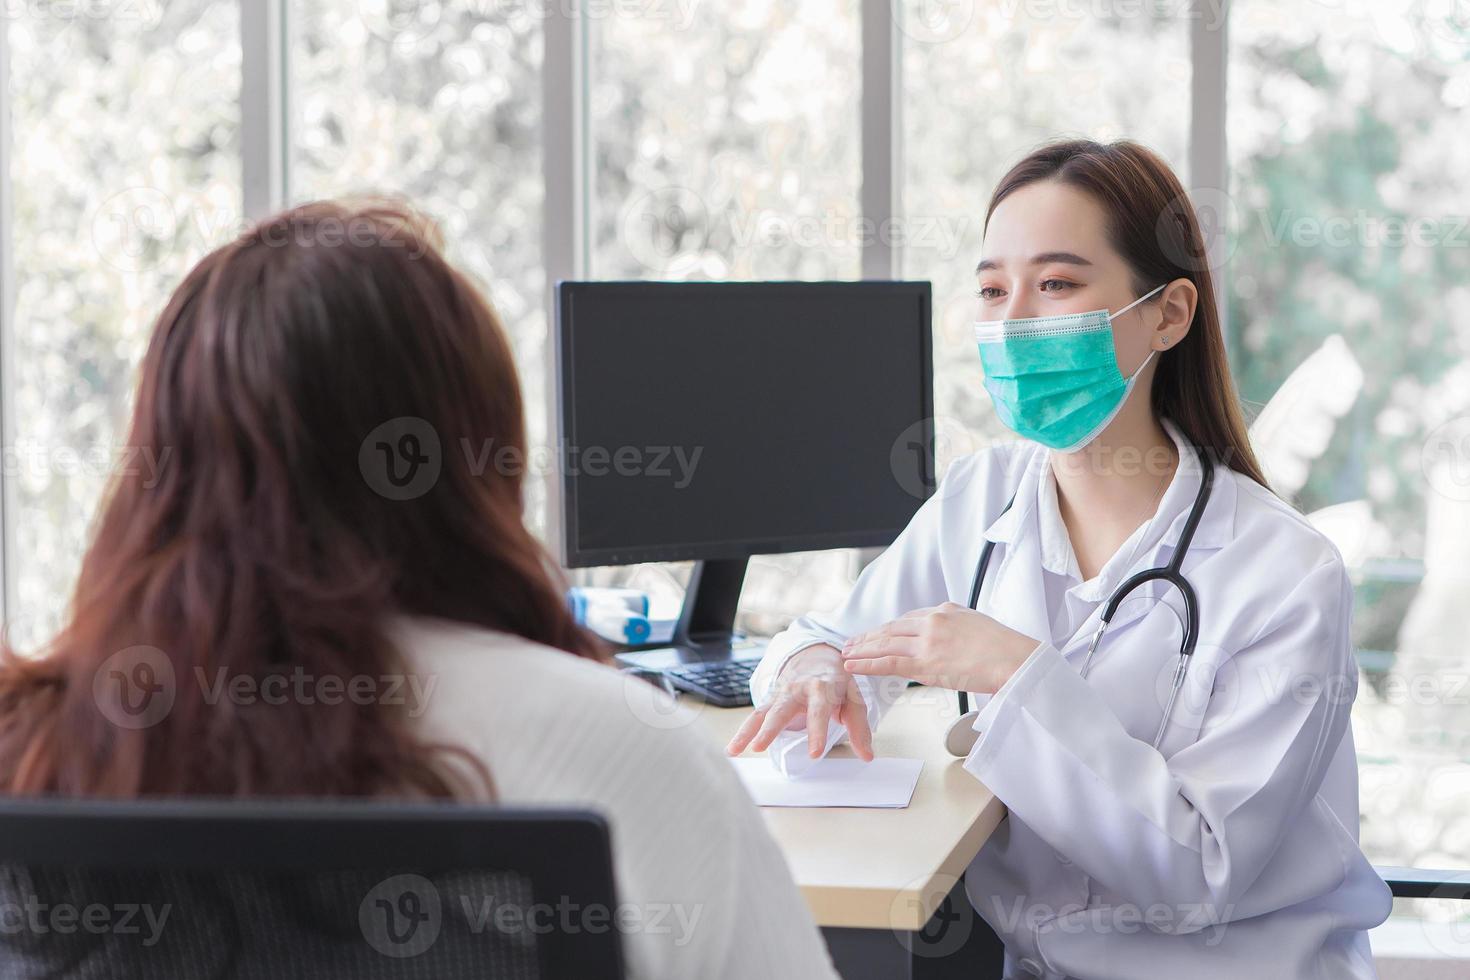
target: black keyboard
723 683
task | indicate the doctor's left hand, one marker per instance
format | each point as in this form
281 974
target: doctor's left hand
949 646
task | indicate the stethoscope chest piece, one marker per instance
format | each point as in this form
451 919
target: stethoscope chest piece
961 737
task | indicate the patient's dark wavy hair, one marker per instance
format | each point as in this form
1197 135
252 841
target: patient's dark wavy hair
271 546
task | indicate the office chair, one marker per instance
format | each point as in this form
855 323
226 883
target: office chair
204 889
1426 883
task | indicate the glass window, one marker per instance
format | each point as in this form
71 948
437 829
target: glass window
1348 285
985 81
725 141
125 171
725 145
439 103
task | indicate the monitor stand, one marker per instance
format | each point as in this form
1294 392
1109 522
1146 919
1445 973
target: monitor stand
706 628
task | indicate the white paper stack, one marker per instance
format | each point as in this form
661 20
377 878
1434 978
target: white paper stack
884 782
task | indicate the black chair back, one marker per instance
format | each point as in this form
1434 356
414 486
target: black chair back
340 889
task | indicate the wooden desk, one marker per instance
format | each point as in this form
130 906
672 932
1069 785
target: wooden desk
884 869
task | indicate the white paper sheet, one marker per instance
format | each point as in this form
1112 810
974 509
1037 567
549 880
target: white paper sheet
884 782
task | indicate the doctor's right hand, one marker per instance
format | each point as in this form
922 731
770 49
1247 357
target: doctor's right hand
812 687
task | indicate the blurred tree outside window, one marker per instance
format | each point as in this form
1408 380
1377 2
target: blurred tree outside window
724 143
125 171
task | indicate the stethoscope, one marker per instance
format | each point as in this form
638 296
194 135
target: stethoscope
962 734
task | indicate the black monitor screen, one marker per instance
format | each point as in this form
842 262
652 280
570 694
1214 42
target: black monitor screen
720 420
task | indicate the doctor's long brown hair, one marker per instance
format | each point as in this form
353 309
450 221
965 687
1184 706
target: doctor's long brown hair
1153 226
275 543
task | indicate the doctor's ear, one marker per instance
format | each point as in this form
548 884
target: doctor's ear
1176 304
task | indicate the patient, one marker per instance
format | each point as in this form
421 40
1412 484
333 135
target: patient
329 591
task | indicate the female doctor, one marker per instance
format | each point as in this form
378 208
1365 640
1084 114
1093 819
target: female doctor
1181 787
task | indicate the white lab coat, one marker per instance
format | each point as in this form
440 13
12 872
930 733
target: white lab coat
1230 852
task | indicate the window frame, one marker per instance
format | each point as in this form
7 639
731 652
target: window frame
7 338
265 122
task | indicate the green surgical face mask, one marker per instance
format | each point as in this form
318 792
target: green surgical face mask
1055 379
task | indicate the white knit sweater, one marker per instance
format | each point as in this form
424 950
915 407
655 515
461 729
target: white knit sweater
689 847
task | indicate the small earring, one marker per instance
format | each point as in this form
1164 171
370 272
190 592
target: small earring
1164 340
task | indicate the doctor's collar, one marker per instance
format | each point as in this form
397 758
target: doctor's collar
1185 482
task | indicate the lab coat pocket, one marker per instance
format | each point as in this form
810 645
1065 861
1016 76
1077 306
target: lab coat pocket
1135 663
1211 692
1204 688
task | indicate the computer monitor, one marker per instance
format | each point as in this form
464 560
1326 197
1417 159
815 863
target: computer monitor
715 421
